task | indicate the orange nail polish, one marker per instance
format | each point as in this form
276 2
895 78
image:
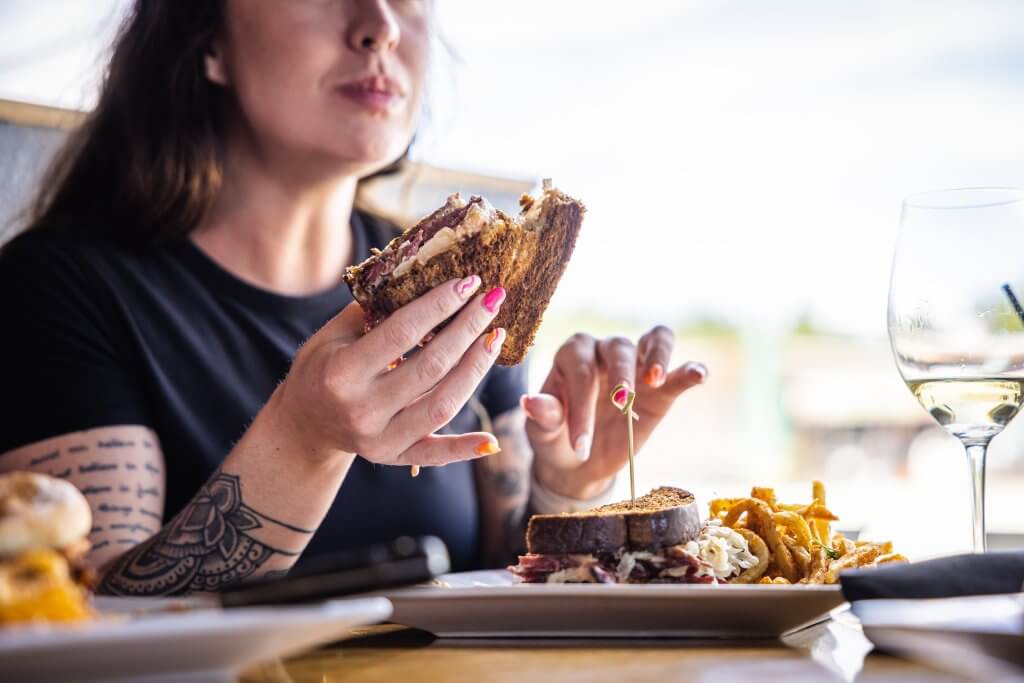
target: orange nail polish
414 470
654 376
492 337
396 362
492 299
486 448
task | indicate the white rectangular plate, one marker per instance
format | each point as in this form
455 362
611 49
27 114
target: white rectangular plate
494 604
190 645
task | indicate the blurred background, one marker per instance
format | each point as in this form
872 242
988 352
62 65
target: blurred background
743 164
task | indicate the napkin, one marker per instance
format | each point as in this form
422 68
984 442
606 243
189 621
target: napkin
945 577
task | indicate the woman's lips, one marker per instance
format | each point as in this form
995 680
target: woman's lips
373 93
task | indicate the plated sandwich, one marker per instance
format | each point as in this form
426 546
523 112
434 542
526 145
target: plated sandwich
526 254
43 525
661 539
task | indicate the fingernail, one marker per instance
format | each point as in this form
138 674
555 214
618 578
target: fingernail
396 362
467 286
493 299
414 470
621 395
698 369
524 403
487 448
655 376
582 447
494 339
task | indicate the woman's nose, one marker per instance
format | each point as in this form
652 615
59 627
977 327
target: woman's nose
373 27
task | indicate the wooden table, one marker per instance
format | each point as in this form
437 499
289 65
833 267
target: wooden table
832 651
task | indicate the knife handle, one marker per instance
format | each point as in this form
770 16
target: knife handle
404 561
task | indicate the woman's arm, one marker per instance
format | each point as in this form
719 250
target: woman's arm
258 511
120 470
503 488
254 516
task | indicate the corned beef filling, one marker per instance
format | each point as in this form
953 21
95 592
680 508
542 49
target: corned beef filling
672 564
428 227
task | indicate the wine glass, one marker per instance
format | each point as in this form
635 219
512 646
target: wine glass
956 325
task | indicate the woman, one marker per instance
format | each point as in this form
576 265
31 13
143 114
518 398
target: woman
175 346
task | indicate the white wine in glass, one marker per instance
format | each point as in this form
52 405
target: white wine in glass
955 323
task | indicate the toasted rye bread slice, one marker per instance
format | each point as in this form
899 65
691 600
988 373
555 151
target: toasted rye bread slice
526 257
666 516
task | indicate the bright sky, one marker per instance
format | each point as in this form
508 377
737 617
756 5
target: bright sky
739 158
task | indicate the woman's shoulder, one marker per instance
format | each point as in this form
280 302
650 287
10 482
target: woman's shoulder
49 263
42 246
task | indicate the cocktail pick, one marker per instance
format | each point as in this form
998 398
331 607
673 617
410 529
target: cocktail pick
623 398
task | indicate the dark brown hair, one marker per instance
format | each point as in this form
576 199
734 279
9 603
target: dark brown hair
146 163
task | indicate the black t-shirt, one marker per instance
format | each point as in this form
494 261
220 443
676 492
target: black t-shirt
96 334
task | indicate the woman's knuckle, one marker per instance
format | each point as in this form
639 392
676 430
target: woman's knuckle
663 333
360 421
580 339
619 342
442 409
479 367
441 307
581 370
432 367
400 334
575 346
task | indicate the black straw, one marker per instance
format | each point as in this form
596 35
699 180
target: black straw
1013 300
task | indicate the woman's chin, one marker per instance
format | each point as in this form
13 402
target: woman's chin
367 160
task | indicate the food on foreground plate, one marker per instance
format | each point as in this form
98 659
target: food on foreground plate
798 539
525 254
745 540
617 543
43 524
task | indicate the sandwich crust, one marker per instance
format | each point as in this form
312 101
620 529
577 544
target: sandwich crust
526 255
664 517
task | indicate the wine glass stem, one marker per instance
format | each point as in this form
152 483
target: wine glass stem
976 463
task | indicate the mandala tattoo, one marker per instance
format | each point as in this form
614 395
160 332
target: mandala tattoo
205 548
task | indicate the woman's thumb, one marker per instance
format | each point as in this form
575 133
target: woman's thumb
544 410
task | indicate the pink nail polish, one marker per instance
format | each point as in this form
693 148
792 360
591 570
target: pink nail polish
467 286
493 299
621 395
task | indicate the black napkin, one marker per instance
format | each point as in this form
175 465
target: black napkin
945 577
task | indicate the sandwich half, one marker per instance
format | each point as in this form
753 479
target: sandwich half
660 539
526 254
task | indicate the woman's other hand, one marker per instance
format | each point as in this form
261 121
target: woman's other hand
345 393
578 436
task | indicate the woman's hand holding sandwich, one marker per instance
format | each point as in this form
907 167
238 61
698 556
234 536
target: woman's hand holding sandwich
578 436
344 393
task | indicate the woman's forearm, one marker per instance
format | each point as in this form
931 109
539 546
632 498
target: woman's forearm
254 517
503 488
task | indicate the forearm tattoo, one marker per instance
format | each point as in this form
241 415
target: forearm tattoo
506 483
208 546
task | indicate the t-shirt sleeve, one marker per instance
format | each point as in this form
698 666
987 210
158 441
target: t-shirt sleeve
503 388
62 351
